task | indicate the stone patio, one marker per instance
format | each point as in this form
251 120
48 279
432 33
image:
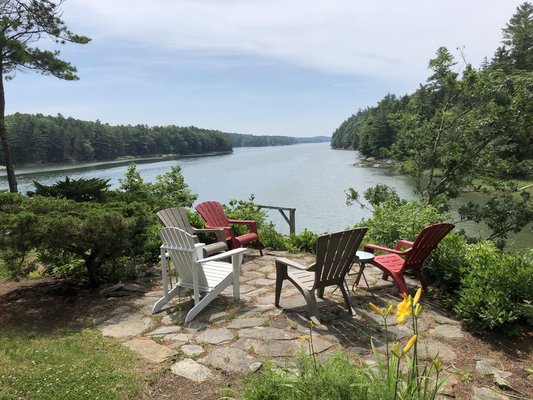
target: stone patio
240 336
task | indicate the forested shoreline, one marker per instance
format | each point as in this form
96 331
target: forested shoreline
475 119
40 139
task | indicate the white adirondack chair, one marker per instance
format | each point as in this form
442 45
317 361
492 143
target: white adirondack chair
203 275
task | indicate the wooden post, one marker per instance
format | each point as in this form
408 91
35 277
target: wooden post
291 219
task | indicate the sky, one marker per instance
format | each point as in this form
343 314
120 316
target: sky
261 67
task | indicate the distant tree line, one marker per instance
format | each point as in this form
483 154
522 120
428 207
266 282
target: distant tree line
36 138
47 139
475 119
246 140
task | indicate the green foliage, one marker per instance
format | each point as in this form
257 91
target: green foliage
336 379
445 265
82 189
46 139
65 366
22 24
64 232
496 288
505 212
169 190
393 221
460 128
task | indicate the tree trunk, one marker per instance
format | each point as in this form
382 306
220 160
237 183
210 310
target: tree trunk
92 264
6 149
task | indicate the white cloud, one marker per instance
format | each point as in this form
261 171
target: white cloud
386 38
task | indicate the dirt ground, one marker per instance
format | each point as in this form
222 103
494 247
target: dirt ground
50 304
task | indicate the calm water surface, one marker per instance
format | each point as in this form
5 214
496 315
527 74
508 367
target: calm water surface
309 177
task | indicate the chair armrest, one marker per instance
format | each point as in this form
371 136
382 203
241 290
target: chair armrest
372 247
219 232
291 263
252 225
226 254
403 243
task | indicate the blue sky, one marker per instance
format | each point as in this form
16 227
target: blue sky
263 67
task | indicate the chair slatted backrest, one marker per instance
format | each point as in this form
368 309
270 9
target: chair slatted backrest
335 254
213 214
426 241
180 247
175 217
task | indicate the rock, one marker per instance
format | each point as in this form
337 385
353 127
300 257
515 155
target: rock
229 359
240 323
215 336
192 370
448 331
192 350
164 330
150 350
109 290
254 367
133 287
124 325
487 394
267 333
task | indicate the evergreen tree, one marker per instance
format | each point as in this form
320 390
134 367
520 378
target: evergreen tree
22 24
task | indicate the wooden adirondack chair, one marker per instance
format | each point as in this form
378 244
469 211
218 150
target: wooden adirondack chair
398 261
182 267
177 217
214 217
335 254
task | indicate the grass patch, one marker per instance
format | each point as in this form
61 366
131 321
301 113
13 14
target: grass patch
65 365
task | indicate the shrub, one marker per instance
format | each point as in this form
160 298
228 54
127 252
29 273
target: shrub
444 265
496 288
394 220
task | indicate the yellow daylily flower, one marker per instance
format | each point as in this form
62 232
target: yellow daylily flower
376 308
417 296
409 344
403 309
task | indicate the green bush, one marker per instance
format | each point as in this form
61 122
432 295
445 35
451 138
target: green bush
444 265
496 288
393 220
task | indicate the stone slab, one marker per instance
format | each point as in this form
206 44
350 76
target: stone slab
229 359
192 370
215 336
124 325
150 350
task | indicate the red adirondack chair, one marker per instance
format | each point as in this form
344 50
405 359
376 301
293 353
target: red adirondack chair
214 217
412 258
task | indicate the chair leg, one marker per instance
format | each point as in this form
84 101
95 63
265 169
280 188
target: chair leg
400 284
346 298
422 279
281 275
320 292
312 306
259 246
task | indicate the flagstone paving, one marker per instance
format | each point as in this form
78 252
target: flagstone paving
238 337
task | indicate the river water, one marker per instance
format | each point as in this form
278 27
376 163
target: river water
309 177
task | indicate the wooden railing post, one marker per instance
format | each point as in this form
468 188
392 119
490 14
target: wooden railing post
291 219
